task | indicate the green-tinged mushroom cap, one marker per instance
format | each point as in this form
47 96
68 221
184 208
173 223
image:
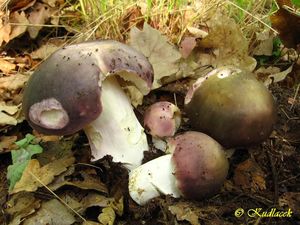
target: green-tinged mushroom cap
231 106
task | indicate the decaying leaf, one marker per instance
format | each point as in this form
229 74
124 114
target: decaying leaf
291 200
249 176
39 16
287 23
6 66
229 44
182 212
7 143
35 176
20 206
51 212
273 74
187 45
265 43
5 28
20 22
9 114
107 217
162 55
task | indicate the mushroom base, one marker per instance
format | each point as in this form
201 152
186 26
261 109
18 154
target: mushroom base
117 132
152 179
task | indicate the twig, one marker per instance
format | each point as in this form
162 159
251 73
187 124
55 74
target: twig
274 175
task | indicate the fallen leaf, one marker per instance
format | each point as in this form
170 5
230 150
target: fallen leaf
51 212
21 205
5 28
35 176
228 42
21 19
6 66
163 56
8 114
249 176
16 5
107 217
287 23
44 51
291 200
40 14
184 213
265 43
7 143
187 45
277 77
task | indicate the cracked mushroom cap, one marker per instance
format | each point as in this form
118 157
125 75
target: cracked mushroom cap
63 95
200 165
231 106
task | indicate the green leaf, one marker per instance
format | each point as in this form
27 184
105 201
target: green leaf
21 157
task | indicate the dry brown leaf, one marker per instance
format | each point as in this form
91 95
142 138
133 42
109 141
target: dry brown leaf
291 200
228 42
287 24
187 45
21 19
249 176
9 114
10 86
6 66
184 213
5 28
44 51
21 205
7 143
15 5
38 17
51 212
265 43
107 217
35 176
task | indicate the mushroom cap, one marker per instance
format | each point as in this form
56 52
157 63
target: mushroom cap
231 106
162 119
200 164
63 95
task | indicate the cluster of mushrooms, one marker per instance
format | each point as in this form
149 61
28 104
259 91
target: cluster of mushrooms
77 88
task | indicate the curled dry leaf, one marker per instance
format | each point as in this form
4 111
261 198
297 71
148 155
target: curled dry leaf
7 143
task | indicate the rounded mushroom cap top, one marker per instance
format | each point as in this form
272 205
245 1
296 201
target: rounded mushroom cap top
63 95
200 164
162 119
231 106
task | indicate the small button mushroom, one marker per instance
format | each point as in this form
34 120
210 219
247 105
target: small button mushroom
75 88
196 169
231 106
162 120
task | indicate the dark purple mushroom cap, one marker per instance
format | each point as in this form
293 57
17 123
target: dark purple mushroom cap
67 86
162 119
231 106
200 165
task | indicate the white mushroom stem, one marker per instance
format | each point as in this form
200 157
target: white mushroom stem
152 179
117 132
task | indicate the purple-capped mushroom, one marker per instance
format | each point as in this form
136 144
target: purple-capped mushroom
76 88
196 169
161 120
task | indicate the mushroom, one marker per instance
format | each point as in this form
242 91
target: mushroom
231 106
196 169
162 120
75 88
